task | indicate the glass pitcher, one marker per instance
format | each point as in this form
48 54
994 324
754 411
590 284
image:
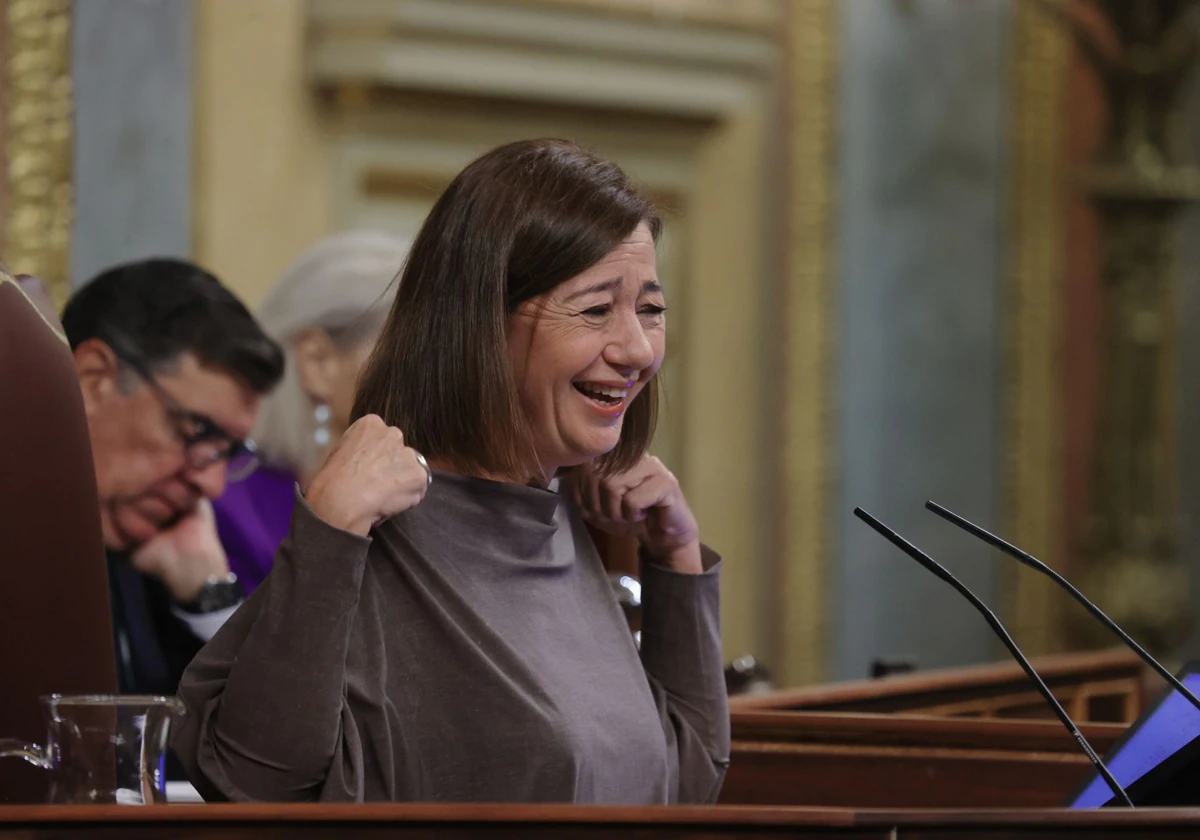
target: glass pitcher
102 748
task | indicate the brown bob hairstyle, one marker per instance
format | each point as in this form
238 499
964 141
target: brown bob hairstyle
516 223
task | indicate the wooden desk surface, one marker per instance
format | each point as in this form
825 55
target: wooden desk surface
876 730
451 822
846 760
999 688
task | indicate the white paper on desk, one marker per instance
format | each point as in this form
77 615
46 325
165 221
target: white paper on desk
182 793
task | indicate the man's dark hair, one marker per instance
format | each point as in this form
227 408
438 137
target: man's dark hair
162 308
513 225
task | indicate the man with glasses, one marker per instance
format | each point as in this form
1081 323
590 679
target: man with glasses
172 367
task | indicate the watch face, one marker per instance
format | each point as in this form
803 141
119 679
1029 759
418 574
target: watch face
225 594
215 595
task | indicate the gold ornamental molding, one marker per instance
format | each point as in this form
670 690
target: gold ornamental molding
1139 184
812 55
37 123
1033 512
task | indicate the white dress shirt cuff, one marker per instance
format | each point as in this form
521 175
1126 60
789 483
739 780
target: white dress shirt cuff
204 625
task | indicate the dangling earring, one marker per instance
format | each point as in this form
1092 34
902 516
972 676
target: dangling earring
321 432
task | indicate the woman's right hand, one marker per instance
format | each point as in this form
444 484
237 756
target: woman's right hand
368 477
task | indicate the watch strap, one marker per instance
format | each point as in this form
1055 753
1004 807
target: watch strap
217 593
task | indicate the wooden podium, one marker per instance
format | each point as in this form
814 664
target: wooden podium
457 822
860 776
958 738
889 761
793 774
812 774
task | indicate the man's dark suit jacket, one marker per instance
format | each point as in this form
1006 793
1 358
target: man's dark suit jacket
153 646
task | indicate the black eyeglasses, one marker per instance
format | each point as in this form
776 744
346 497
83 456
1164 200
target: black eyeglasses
204 441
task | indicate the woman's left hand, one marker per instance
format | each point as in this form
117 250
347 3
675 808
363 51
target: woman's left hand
645 502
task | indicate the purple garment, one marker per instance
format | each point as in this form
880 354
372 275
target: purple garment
253 517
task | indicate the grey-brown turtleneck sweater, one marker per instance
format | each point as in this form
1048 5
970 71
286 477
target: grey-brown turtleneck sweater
470 650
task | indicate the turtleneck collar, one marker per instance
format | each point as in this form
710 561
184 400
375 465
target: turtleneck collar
515 519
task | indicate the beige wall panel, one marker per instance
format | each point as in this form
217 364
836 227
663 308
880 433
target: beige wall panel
261 176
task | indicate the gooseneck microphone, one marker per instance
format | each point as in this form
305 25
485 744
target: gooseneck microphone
1034 563
944 573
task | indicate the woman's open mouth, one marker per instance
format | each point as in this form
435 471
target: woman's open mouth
607 400
603 394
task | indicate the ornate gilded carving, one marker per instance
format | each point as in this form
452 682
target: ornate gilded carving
812 56
1138 184
1033 402
38 122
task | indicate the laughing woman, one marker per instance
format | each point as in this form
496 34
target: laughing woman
438 626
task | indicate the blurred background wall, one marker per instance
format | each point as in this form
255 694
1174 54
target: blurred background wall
889 278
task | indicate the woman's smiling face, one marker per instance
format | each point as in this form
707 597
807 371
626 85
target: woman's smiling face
583 351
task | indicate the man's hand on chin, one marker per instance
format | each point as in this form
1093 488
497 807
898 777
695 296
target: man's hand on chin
185 555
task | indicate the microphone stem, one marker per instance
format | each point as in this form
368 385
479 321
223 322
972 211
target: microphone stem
942 572
1059 711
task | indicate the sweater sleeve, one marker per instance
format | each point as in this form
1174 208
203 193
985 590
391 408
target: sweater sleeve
266 717
681 652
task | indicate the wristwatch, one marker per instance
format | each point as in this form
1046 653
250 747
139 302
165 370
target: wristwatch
217 593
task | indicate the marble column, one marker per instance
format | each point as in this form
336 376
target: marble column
132 73
925 89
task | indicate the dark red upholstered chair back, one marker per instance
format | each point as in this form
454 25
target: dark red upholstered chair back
55 624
